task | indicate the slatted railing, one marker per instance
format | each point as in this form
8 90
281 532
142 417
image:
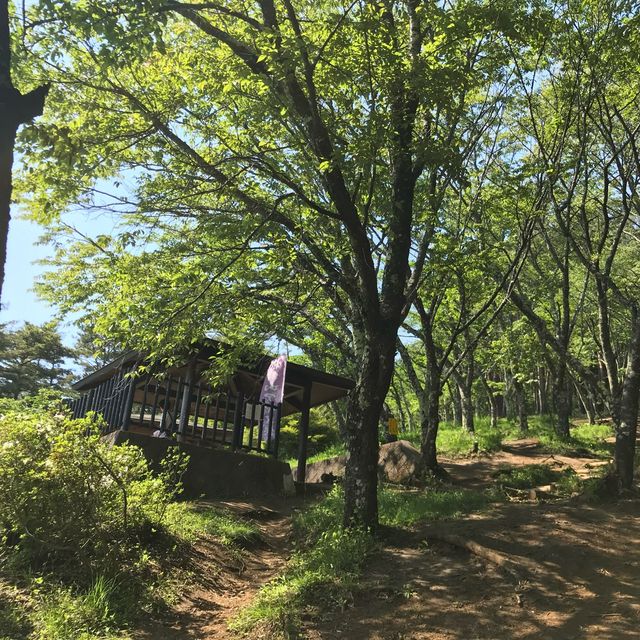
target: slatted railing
211 417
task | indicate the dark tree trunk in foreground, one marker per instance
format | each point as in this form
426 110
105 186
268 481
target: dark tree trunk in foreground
15 109
626 426
365 407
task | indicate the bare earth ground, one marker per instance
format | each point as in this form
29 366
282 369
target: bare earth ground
224 582
577 573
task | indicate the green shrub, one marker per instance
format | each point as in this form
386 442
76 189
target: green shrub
67 494
323 435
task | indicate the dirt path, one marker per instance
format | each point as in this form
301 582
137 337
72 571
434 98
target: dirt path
578 579
478 472
227 582
577 572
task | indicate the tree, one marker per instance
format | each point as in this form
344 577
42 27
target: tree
298 141
15 109
31 358
583 119
93 351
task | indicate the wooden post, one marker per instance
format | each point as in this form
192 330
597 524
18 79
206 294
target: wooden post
304 434
186 398
238 421
128 404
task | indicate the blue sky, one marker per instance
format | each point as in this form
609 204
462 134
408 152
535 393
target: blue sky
18 301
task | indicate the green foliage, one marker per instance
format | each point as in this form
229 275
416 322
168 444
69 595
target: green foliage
93 351
68 494
32 357
81 523
323 434
189 521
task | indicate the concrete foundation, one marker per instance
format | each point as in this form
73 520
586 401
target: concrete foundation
216 473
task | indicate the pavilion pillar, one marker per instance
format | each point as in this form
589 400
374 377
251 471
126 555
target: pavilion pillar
304 434
125 417
186 398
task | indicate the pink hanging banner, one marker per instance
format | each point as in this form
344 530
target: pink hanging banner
272 393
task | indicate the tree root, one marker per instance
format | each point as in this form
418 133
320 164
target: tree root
509 564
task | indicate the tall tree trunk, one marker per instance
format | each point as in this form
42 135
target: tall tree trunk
431 419
363 415
398 398
543 405
456 404
493 403
626 427
562 393
15 109
521 405
339 411
467 406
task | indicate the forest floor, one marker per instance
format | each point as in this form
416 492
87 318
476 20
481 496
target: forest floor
225 581
570 572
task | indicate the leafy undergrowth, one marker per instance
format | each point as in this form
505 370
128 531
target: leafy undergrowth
90 538
325 569
533 475
190 521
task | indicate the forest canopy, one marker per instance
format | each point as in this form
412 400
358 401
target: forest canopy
438 198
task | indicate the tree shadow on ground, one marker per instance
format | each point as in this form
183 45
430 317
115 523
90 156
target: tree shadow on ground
576 577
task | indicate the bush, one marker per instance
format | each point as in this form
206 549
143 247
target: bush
323 434
67 494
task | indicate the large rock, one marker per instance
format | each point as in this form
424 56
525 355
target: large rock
399 462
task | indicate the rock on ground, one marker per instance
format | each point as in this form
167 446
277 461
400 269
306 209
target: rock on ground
399 463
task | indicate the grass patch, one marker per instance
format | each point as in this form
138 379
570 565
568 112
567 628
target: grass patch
454 441
326 567
60 614
566 481
189 521
400 508
528 476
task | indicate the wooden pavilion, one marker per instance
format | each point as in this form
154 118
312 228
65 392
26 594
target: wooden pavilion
179 403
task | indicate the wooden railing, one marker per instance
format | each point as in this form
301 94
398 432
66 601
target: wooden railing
190 412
